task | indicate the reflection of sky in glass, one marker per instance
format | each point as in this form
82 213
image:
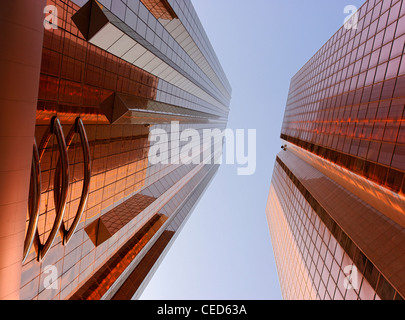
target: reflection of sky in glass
225 252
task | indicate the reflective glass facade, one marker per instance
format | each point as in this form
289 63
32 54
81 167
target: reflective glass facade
124 68
348 100
336 205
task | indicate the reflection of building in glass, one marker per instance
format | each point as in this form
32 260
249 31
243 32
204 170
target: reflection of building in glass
336 207
108 72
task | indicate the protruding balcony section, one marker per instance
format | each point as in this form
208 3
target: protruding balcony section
130 288
90 19
114 220
98 285
127 109
103 29
161 9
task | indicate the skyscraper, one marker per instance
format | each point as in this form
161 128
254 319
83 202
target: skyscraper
336 207
85 84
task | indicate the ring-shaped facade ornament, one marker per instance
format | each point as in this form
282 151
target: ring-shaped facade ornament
34 202
56 129
78 128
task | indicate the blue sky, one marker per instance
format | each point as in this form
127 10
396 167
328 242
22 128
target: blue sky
224 251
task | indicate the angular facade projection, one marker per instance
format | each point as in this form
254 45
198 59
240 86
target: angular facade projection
100 216
336 208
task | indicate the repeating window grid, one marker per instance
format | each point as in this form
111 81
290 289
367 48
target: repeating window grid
169 93
78 260
298 85
318 247
78 257
193 25
382 147
175 52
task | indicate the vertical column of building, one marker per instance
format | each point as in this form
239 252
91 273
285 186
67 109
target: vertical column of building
21 28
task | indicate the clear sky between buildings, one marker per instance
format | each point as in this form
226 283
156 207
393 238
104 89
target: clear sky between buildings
224 251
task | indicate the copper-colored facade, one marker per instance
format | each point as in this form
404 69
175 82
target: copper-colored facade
91 204
348 100
337 198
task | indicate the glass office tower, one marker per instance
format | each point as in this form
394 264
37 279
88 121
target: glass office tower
84 213
336 208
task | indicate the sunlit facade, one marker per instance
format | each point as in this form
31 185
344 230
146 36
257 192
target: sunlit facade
336 208
101 76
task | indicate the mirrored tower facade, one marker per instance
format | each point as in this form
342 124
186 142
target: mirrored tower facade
84 213
336 207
